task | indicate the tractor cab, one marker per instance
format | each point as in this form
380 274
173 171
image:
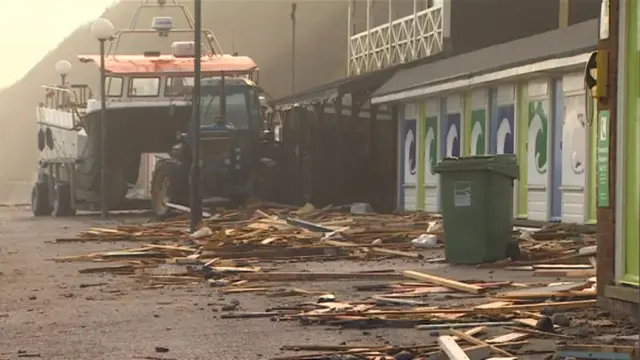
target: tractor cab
234 142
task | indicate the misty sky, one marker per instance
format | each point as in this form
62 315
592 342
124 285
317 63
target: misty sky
25 40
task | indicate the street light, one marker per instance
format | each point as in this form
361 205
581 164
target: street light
63 68
102 29
195 198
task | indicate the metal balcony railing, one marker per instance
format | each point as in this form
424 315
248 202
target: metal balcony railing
409 38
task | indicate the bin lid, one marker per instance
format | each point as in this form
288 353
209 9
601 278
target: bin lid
504 164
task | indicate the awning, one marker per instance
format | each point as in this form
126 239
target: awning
567 47
368 82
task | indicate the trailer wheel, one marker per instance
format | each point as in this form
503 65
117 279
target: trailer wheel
166 188
40 199
62 200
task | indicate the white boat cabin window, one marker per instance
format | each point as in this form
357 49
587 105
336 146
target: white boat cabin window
144 87
114 86
178 86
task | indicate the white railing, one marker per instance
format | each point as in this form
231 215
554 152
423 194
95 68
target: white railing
406 39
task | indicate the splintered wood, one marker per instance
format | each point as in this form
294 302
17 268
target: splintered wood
242 252
229 244
555 250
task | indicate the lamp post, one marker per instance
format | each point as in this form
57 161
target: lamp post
195 200
63 68
102 29
292 16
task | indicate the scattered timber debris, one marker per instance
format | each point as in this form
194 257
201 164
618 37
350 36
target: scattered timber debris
242 252
234 242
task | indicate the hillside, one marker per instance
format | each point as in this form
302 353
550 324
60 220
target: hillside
260 29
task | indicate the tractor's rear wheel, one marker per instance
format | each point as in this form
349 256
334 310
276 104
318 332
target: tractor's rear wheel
62 200
166 187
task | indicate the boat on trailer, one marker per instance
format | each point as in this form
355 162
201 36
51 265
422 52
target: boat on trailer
148 104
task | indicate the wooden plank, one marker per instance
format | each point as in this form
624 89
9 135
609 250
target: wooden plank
473 331
562 266
550 290
451 348
310 276
494 305
564 305
538 332
408 254
474 289
472 340
533 323
565 273
514 336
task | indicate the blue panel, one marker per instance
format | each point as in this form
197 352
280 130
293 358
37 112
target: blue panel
409 153
453 135
505 129
556 150
493 120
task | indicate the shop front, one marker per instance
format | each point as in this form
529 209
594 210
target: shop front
627 189
532 104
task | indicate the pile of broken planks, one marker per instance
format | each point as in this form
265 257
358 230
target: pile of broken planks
236 242
241 252
555 250
499 323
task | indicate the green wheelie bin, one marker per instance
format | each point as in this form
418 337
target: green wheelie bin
477 207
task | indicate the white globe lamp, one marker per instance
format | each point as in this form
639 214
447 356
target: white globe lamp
63 67
102 29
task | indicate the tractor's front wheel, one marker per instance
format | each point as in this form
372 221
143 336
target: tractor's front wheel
40 199
166 187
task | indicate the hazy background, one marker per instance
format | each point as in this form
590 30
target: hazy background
40 32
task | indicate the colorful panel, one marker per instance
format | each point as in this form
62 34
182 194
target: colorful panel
538 142
505 139
453 134
537 150
421 153
521 124
409 151
431 149
574 140
478 136
574 159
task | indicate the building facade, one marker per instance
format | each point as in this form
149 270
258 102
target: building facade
525 97
619 176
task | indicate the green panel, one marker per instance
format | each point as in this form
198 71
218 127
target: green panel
477 132
466 124
522 128
420 167
591 170
538 111
631 196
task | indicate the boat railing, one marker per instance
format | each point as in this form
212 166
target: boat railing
66 98
72 99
